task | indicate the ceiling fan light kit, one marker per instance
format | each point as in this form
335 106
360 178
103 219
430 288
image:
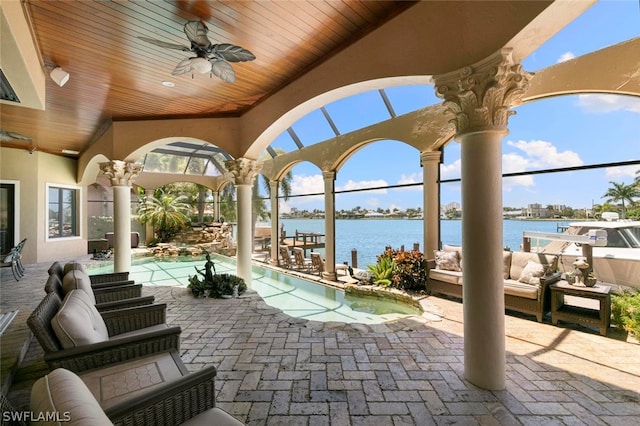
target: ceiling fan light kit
60 76
210 58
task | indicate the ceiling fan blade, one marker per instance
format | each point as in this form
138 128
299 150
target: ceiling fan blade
9 136
223 70
196 32
165 44
183 67
232 53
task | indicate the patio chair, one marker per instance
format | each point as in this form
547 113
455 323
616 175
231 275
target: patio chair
286 259
112 279
302 263
104 298
12 260
317 263
74 335
188 400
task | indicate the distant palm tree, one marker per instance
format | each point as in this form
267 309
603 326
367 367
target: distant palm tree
622 192
166 212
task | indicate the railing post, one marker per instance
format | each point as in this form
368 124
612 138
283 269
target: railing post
354 258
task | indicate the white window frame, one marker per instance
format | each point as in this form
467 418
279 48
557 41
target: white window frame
79 210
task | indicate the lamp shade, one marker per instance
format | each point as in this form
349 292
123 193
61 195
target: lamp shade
60 76
201 65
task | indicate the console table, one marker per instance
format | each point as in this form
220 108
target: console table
579 314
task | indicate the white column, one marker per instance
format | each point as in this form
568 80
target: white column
430 162
244 170
121 174
216 206
148 227
329 178
479 97
275 216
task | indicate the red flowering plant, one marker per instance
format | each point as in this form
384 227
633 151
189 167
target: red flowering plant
410 269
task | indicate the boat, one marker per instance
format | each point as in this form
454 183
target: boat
617 262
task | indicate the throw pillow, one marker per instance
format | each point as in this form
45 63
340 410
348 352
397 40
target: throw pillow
448 260
531 273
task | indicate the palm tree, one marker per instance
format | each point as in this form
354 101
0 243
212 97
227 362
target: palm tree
622 192
166 212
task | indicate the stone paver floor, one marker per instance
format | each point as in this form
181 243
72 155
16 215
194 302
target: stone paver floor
274 369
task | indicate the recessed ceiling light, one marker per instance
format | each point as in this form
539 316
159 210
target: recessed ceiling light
70 152
168 83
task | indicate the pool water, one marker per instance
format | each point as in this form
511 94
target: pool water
294 296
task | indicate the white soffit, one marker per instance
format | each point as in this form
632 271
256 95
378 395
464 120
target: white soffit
19 57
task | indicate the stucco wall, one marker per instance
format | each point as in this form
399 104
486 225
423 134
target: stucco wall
33 172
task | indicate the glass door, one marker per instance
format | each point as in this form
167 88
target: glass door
7 217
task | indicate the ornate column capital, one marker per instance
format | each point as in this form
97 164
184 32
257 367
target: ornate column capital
121 173
480 95
244 170
329 175
430 157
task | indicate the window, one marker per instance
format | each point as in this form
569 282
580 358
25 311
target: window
63 212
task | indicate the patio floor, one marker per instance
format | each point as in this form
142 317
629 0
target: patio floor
274 369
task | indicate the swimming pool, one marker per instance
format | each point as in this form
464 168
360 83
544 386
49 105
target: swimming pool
294 296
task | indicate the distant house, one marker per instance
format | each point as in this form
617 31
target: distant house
373 215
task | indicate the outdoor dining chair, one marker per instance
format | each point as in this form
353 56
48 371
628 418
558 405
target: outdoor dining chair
13 260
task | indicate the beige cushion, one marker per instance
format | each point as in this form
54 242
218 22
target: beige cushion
64 394
78 322
76 279
214 416
74 265
452 277
532 272
506 262
447 260
519 261
518 289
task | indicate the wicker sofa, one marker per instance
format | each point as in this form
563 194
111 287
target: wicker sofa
521 292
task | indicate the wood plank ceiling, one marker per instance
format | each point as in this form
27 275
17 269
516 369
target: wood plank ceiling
116 76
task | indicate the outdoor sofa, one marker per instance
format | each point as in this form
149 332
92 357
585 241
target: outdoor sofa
526 278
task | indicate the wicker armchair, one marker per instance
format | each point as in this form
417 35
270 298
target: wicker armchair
106 298
187 400
123 333
97 280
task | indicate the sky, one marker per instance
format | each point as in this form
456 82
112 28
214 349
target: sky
557 132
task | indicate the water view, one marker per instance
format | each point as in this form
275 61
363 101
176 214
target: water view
370 236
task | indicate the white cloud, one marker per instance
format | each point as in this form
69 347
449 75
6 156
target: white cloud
351 185
412 178
451 171
539 155
303 184
566 57
604 103
622 172
536 155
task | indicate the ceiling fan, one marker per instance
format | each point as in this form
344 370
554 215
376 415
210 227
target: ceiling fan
210 58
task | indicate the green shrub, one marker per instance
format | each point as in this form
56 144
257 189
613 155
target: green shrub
625 310
220 285
383 271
